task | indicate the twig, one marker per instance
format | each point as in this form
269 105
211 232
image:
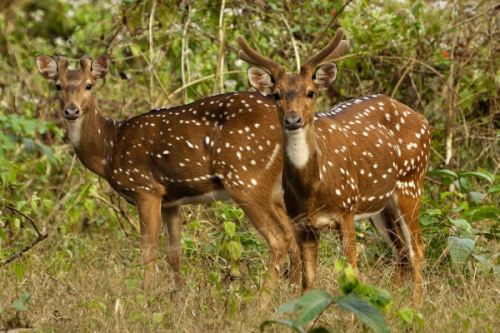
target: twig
408 66
220 59
176 91
294 43
184 49
40 237
151 18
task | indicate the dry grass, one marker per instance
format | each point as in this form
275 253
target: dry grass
89 281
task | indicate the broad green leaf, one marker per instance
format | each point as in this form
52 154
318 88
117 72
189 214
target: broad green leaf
234 249
481 213
364 311
480 174
460 248
29 145
443 172
477 196
47 151
230 228
494 189
460 223
287 307
285 322
312 305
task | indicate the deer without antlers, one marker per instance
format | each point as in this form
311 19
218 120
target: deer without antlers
365 158
212 149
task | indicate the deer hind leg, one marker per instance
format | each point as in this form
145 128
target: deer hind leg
387 225
172 230
261 212
409 222
294 250
149 216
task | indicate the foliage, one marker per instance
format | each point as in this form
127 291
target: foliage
362 300
438 57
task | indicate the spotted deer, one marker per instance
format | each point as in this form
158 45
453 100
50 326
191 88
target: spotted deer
213 149
365 158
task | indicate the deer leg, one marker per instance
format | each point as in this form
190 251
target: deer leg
149 215
387 225
409 208
172 230
309 244
292 235
347 234
263 216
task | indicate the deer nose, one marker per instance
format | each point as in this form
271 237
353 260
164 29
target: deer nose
71 112
293 121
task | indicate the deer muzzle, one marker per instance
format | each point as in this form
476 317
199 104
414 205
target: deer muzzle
71 112
293 121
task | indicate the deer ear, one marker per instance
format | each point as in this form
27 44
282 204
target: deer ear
100 66
261 80
47 67
325 75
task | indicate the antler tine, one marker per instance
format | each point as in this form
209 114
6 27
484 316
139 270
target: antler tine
326 52
339 50
249 55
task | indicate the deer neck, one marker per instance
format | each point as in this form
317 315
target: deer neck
93 137
301 158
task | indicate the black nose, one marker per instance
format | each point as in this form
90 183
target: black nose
71 112
293 121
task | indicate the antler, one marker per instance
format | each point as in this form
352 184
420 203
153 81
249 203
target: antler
249 55
334 49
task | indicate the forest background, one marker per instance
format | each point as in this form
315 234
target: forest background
441 58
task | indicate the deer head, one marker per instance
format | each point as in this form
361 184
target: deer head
74 86
294 95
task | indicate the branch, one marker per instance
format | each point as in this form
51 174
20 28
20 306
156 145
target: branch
25 248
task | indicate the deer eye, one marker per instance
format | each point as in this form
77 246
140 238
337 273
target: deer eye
88 86
276 96
58 86
310 94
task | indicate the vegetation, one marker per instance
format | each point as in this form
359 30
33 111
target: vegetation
441 58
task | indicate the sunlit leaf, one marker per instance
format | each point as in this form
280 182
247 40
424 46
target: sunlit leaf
312 304
460 248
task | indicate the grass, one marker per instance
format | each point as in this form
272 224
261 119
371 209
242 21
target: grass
88 278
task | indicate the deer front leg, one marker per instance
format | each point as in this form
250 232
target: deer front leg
172 230
149 215
347 233
309 244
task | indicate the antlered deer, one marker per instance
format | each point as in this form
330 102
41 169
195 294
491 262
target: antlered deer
212 149
365 158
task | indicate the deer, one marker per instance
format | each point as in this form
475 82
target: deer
363 159
214 149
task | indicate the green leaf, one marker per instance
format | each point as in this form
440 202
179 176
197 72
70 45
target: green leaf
494 189
19 269
25 298
230 228
460 223
480 174
481 213
364 311
406 314
29 145
477 196
285 322
19 306
444 172
312 305
287 307
460 248
47 151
